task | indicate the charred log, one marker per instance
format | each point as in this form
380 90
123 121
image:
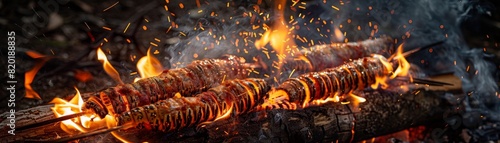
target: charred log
382 113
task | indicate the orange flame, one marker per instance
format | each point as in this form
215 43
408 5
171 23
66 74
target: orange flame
356 99
148 66
30 75
279 35
119 137
403 65
111 122
380 81
110 70
335 98
83 123
225 114
275 97
338 34
402 69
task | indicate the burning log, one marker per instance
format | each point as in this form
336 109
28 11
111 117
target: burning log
375 118
31 123
335 84
179 117
117 100
194 78
382 113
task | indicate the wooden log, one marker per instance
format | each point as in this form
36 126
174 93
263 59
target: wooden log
383 113
32 116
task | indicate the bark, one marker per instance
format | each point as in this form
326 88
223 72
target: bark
30 116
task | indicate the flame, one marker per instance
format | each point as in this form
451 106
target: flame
111 122
110 70
356 99
30 75
117 136
402 70
279 35
335 98
148 66
275 97
225 114
338 34
403 65
83 123
380 81
306 60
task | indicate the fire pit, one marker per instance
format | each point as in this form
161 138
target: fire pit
251 71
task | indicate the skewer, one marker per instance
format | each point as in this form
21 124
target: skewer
411 52
50 121
430 82
79 136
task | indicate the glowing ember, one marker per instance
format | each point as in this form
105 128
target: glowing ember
275 97
110 70
148 66
83 76
225 114
30 75
83 123
380 81
402 70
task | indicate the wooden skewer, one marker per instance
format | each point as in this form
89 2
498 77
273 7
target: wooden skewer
55 120
79 136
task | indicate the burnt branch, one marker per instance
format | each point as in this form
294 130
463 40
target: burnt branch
382 113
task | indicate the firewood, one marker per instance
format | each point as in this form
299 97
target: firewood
382 113
30 116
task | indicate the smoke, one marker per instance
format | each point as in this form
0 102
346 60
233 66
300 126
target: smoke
228 27
216 29
420 22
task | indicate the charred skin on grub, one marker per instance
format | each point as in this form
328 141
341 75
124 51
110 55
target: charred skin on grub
192 79
342 80
237 96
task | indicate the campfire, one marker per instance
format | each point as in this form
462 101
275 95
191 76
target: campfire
262 71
